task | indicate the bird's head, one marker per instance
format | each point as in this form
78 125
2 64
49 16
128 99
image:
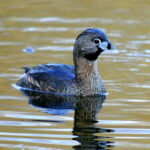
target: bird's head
91 43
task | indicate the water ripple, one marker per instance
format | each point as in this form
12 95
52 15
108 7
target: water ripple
139 42
65 20
147 86
131 131
124 122
23 123
54 130
38 135
76 20
25 115
56 48
6 97
10 43
22 147
63 40
10 75
42 141
37 29
147 51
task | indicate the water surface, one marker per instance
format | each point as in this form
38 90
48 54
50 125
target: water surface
49 28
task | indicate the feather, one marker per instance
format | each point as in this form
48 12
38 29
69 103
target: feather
26 69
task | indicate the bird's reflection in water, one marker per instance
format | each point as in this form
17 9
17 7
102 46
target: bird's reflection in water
85 129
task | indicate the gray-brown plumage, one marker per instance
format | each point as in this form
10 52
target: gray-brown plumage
81 79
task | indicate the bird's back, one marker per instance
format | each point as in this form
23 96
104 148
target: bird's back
55 78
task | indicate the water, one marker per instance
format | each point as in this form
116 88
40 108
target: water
49 28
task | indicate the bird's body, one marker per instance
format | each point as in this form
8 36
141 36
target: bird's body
81 79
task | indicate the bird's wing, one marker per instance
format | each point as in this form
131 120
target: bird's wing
49 77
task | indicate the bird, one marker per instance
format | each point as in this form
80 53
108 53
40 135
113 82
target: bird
80 79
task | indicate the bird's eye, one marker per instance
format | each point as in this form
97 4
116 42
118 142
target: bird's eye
97 41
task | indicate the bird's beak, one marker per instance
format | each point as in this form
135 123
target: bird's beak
106 45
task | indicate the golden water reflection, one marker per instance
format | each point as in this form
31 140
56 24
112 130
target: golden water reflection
50 28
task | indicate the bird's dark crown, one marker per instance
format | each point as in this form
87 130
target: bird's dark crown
95 31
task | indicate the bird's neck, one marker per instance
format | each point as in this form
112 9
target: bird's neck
87 77
85 70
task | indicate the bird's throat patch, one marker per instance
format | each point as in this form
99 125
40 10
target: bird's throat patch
92 56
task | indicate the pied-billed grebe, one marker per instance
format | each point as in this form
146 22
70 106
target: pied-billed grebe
82 79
